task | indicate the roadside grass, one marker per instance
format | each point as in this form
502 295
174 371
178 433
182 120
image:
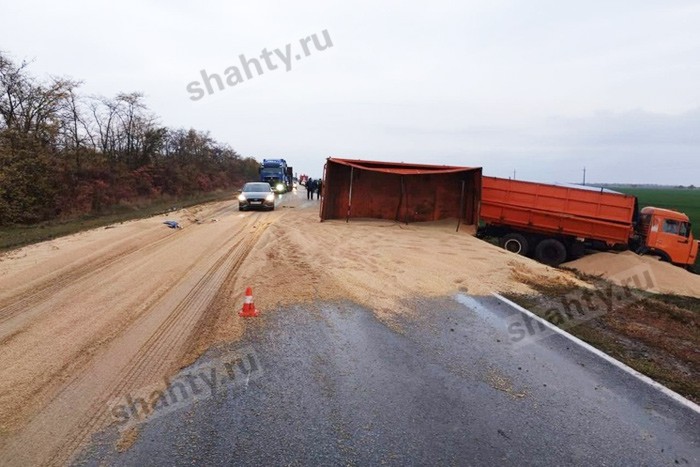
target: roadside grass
16 236
657 335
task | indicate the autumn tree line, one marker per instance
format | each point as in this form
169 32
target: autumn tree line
64 154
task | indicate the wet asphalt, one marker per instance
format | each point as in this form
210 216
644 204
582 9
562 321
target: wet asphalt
446 384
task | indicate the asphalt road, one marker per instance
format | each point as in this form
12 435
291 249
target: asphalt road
442 386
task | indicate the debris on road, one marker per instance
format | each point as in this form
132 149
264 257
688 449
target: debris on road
70 331
380 263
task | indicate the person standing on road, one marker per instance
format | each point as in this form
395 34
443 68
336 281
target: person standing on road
319 187
310 187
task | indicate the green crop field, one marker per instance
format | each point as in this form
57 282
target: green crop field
679 199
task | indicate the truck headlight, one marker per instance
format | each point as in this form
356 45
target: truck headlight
241 197
280 187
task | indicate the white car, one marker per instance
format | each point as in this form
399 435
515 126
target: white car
256 195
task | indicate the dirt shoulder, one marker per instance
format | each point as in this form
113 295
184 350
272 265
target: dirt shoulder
656 334
16 236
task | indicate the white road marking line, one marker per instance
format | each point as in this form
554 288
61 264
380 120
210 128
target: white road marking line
658 386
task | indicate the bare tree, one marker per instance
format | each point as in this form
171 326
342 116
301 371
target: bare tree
28 106
48 130
105 114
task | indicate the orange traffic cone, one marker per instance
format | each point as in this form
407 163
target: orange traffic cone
248 310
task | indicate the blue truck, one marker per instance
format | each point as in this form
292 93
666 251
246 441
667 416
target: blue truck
277 174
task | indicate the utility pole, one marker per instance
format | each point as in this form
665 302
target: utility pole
584 176
513 174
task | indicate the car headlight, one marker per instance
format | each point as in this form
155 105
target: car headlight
241 197
280 187
270 197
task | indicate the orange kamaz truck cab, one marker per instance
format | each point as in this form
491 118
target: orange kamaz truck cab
667 233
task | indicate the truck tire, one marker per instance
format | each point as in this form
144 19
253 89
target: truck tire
642 250
515 243
551 252
662 256
577 250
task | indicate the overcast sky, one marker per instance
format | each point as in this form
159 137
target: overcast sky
540 87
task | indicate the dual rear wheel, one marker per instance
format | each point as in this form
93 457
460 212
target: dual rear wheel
549 251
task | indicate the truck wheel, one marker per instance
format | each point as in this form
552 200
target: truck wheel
662 256
577 250
551 252
515 243
642 250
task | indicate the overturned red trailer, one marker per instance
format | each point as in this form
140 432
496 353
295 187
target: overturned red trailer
400 191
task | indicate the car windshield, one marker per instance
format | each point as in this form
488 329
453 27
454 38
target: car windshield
256 187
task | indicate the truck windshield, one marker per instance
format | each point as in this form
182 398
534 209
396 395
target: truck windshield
268 172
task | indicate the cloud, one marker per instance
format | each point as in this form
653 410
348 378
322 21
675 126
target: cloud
542 87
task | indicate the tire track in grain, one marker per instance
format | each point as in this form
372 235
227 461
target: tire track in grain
41 390
172 326
32 305
11 306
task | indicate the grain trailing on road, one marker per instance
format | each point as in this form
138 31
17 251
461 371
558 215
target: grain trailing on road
87 318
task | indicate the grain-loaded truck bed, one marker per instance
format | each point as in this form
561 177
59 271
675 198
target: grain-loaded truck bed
552 209
554 222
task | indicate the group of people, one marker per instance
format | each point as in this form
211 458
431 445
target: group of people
313 186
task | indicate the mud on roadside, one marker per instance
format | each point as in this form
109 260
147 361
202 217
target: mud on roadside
657 335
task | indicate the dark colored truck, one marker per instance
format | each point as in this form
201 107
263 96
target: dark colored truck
290 178
557 223
277 174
